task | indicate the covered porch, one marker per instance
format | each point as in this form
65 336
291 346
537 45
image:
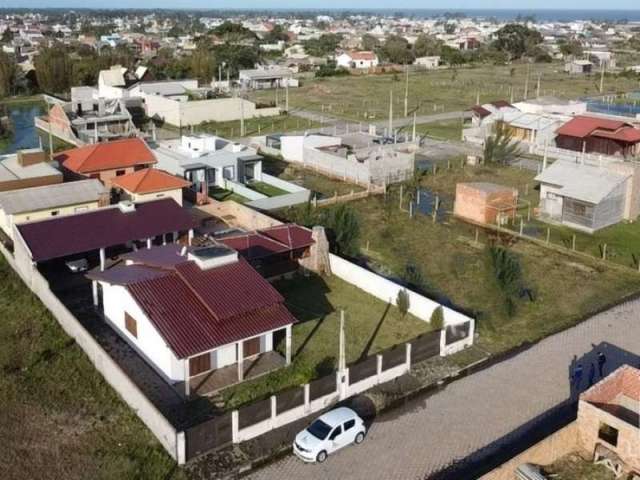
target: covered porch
230 364
210 382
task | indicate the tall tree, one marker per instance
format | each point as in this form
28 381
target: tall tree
516 40
53 69
369 42
427 45
8 74
203 64
396 49
325 45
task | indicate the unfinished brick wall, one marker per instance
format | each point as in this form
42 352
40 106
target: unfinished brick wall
484 202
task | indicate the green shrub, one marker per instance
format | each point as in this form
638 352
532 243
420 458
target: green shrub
402 302
437 319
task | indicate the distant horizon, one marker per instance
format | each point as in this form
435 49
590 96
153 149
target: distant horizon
324 9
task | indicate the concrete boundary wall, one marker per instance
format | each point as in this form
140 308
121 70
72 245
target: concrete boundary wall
167 435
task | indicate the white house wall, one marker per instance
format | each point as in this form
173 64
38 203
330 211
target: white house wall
147 197
117 300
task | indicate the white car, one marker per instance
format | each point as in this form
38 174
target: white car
332 431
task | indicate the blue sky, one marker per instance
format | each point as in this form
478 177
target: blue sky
324 4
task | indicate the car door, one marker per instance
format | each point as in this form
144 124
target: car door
349 431
335 439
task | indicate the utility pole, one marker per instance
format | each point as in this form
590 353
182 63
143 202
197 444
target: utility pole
406 92
538 86
602 68
50 132
526 84
413 133
286 96
478 97
390 133
342 360
241 115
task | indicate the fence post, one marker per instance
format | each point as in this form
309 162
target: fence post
234 427
378 366
307 397
408 354
604 251
548 234
274 411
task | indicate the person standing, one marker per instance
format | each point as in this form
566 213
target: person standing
602 360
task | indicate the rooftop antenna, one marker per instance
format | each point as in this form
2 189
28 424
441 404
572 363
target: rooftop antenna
406 92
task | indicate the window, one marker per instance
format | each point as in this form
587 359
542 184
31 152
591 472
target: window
81 209
349 424
55 213
335 433
159 195
251 347
131 325
228 173
200 364
608 434
119 173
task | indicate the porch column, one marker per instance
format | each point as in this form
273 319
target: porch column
240 360
148 243
94 289
102 259
190 236
288 345
187 389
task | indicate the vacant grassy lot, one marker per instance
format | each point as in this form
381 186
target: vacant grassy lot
256 126
572 467
317 183
457 269
370 326
59 418
363 98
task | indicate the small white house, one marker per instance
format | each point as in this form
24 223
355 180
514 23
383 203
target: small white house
357 59
428 63
201 317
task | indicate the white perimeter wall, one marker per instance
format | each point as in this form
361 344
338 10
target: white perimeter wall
387 291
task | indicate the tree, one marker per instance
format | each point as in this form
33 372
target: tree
570 48
236 56
277 34
508 274
396 49
53 68
437 319
344 223
500 147
516 40
8 74
323 46
403 302
233 32
7 36
369 42
427 45
203 64
413 277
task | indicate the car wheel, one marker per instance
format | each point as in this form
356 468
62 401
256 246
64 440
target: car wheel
359 438
322 456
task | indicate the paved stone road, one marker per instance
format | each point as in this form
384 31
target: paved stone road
476 411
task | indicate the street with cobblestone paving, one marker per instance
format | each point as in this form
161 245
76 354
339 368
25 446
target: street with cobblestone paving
477 411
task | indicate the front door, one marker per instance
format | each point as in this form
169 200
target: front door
251 347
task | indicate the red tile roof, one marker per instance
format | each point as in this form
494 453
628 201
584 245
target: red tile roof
481 111
293 236
67 235
149 180
585 126
362 55
198 310
128 152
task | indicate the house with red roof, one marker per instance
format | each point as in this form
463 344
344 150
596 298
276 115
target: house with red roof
599 135
202 317
150 184
106 161
357 59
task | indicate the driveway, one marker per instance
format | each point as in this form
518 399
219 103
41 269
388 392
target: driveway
475 418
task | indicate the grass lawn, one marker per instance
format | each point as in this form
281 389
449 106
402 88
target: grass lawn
321 185
456 268
371 325
256 126
572 467
59 418
222 194
266 189
451 130
366 97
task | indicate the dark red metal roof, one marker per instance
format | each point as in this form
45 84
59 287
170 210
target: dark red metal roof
481 111
198 310
68 235
293 236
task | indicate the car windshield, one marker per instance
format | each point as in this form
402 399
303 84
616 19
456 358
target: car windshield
319 429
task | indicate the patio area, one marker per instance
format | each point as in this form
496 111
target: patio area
210 382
